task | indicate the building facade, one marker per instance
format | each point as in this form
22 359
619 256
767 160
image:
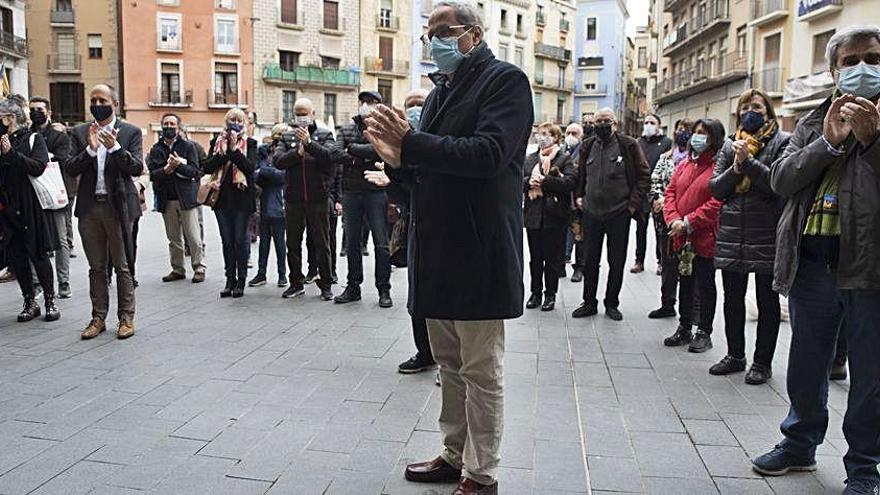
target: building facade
14 46
553 72
306 49
386 46
194 59
641 80
420 55
73 48
601 57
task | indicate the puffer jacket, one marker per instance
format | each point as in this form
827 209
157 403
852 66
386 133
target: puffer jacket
356 155
747 224
688 198
796 177
309 177
551 210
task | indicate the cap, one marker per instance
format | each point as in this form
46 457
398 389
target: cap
370 94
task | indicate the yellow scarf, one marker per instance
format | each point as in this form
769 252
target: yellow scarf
755 143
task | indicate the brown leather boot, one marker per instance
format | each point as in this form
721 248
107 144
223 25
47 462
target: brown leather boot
125 329
94 329
468 486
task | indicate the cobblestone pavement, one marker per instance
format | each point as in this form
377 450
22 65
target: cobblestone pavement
269 395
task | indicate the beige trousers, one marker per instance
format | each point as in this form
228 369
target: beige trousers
183 224
470 356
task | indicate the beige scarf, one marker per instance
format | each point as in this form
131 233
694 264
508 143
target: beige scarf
542 168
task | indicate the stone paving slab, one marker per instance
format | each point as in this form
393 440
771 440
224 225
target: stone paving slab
265 395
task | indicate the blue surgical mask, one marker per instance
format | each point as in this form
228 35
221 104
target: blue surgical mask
445 53
752 121
859 80
234 127
414 116
699 142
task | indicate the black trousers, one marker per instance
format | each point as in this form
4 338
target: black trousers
20 260
420 336
701 281
641 236
546 248
312 216
842 343
616 229
735 286
333 220
669 262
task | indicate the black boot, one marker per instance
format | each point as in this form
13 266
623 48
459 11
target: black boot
534 301
238 288
52 312
549 302
230 285
682 336
30 310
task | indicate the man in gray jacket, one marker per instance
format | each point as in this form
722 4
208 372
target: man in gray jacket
827 263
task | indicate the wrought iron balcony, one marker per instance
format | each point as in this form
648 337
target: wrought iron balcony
13 45
65 17
162 97
564 25
218 99
703 77
770 80
552 52
63 63
311 76
380 66
766 11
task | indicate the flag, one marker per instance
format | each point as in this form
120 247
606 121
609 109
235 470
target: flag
4 85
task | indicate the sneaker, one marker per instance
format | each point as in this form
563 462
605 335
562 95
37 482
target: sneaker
780 461
702 342
385 299
638 267
682 336
295 290
258 281
534 301
614 314
350 294
585 310
282 281
759 374
662 312
861 487
64 291
413 365
72 253
326 295
578 276
311 277
174 277
838 370
728 365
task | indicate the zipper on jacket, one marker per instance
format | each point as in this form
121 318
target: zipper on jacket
305 187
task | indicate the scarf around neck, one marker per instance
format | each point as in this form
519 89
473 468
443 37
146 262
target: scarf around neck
542 168
755 143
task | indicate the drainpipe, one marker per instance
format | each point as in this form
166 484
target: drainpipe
120 89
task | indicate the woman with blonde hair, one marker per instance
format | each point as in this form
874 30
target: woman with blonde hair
231 164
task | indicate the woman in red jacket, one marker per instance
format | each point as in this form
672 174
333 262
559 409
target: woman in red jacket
691 212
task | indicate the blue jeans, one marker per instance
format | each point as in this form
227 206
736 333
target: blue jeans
234 235
272 230
371 206
817 306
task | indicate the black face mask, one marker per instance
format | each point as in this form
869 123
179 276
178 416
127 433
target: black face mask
603 131
4 129
169 132
101 112
38 118
589 131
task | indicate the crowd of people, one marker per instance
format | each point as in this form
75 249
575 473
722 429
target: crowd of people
445 187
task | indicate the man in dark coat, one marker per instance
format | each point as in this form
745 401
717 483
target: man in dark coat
613 179
174 170
106 154
827 263
654 143
465 242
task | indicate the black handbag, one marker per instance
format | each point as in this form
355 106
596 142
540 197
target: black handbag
399 239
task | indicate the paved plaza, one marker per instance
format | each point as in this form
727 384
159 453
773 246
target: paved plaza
265 395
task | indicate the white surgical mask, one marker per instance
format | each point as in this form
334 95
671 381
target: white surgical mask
364 110
571 141
649 130
303 121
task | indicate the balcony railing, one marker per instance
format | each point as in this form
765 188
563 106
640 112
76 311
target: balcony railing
564 25
704 76
551 51
551 82
14 45
225 100
64 62
768 9
591 62
388 23
162 98
770 80
62 17
716 15
541 19
226 48
311 76
376 65
593 89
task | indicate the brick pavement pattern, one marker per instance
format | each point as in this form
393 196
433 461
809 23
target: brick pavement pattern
266 395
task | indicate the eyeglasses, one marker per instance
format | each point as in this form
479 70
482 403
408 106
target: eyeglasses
444 32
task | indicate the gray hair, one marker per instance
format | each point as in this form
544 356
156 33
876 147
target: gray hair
847 36
607 110
11 106
466 11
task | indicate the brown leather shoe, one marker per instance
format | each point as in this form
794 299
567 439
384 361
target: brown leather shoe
125 329
435 471
198 278
173 277
468 486
96 326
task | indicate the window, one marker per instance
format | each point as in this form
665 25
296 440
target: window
519 23
169 85
288 60
643 57
591 80
502 52
225 83
518 57
741 43
539 70
386 89
64 5
820 42
225 4
503 19
329 107
560 111
330 63
592 28
96 46
386 53
560 79
288 100
712 68
226 39
169 32
331 15
68 102
65 51
772 49
385 17
289 11
538 101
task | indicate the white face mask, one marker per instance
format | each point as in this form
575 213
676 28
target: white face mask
303 121
544 141
571 141
649 130
364 110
